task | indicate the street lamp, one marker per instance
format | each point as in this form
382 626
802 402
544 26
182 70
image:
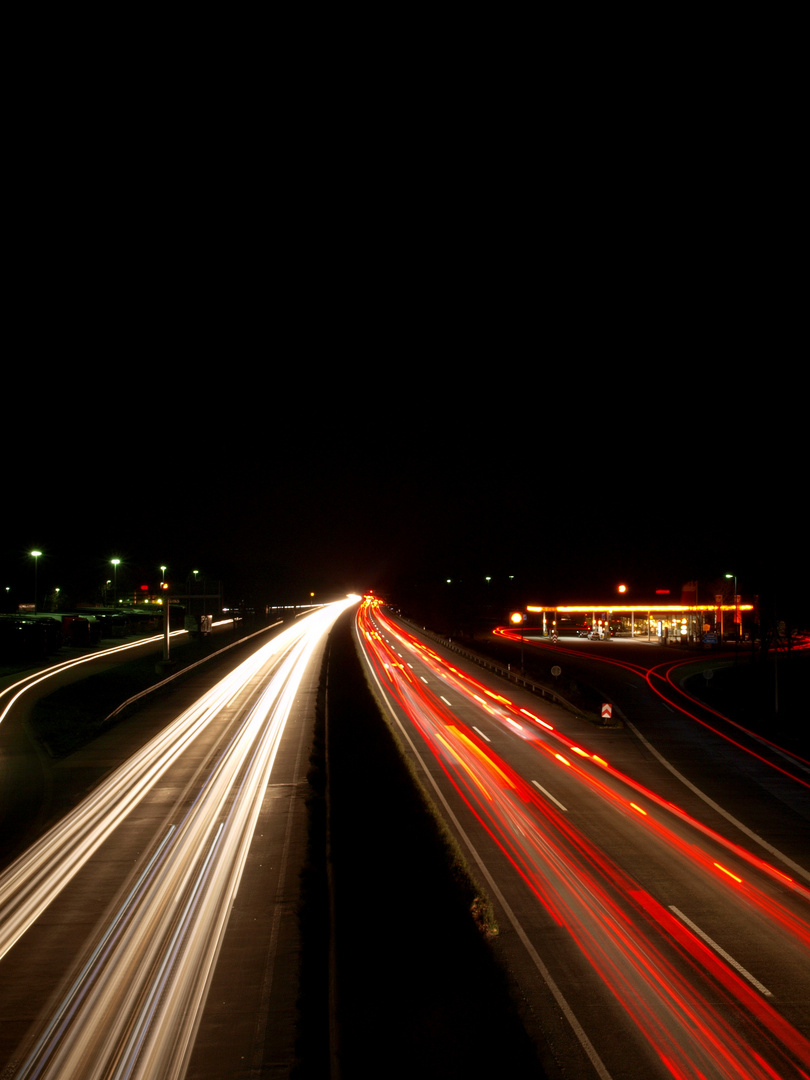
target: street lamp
519 618
115 563
36 555
737 623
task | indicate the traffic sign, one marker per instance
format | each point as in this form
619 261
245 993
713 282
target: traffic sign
607 711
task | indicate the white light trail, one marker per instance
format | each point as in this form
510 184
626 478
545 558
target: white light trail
33 680
135 1009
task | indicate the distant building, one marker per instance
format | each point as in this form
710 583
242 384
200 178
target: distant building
654 617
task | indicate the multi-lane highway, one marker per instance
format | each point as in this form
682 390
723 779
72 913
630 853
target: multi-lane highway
651 881
654 932
111 925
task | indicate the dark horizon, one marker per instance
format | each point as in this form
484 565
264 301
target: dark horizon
425 362
357 515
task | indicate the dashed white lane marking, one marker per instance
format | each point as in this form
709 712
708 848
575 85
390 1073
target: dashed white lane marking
721 952
548 795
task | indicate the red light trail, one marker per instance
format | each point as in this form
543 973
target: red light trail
699 1014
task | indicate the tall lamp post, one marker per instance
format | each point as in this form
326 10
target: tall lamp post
166 605
115 563
518 618
737 623
36 555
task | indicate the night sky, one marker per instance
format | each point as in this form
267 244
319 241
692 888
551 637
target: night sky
350 354
395 480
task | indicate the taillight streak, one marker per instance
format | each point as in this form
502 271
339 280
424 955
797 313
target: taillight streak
583 890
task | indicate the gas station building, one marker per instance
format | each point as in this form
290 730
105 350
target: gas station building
656 619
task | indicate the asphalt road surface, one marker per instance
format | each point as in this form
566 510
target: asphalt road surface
126 942
652 880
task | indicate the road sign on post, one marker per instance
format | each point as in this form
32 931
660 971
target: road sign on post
607 711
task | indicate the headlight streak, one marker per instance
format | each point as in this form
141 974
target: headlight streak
33 680
588 894
77 991
134 1009
127 1057
31 882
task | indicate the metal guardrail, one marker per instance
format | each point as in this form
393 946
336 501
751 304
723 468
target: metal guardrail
185 670
498 669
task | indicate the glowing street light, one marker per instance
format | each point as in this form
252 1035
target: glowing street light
166 612
36 555
519 618
737 620
115 563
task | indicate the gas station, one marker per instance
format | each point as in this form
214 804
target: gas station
653 620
